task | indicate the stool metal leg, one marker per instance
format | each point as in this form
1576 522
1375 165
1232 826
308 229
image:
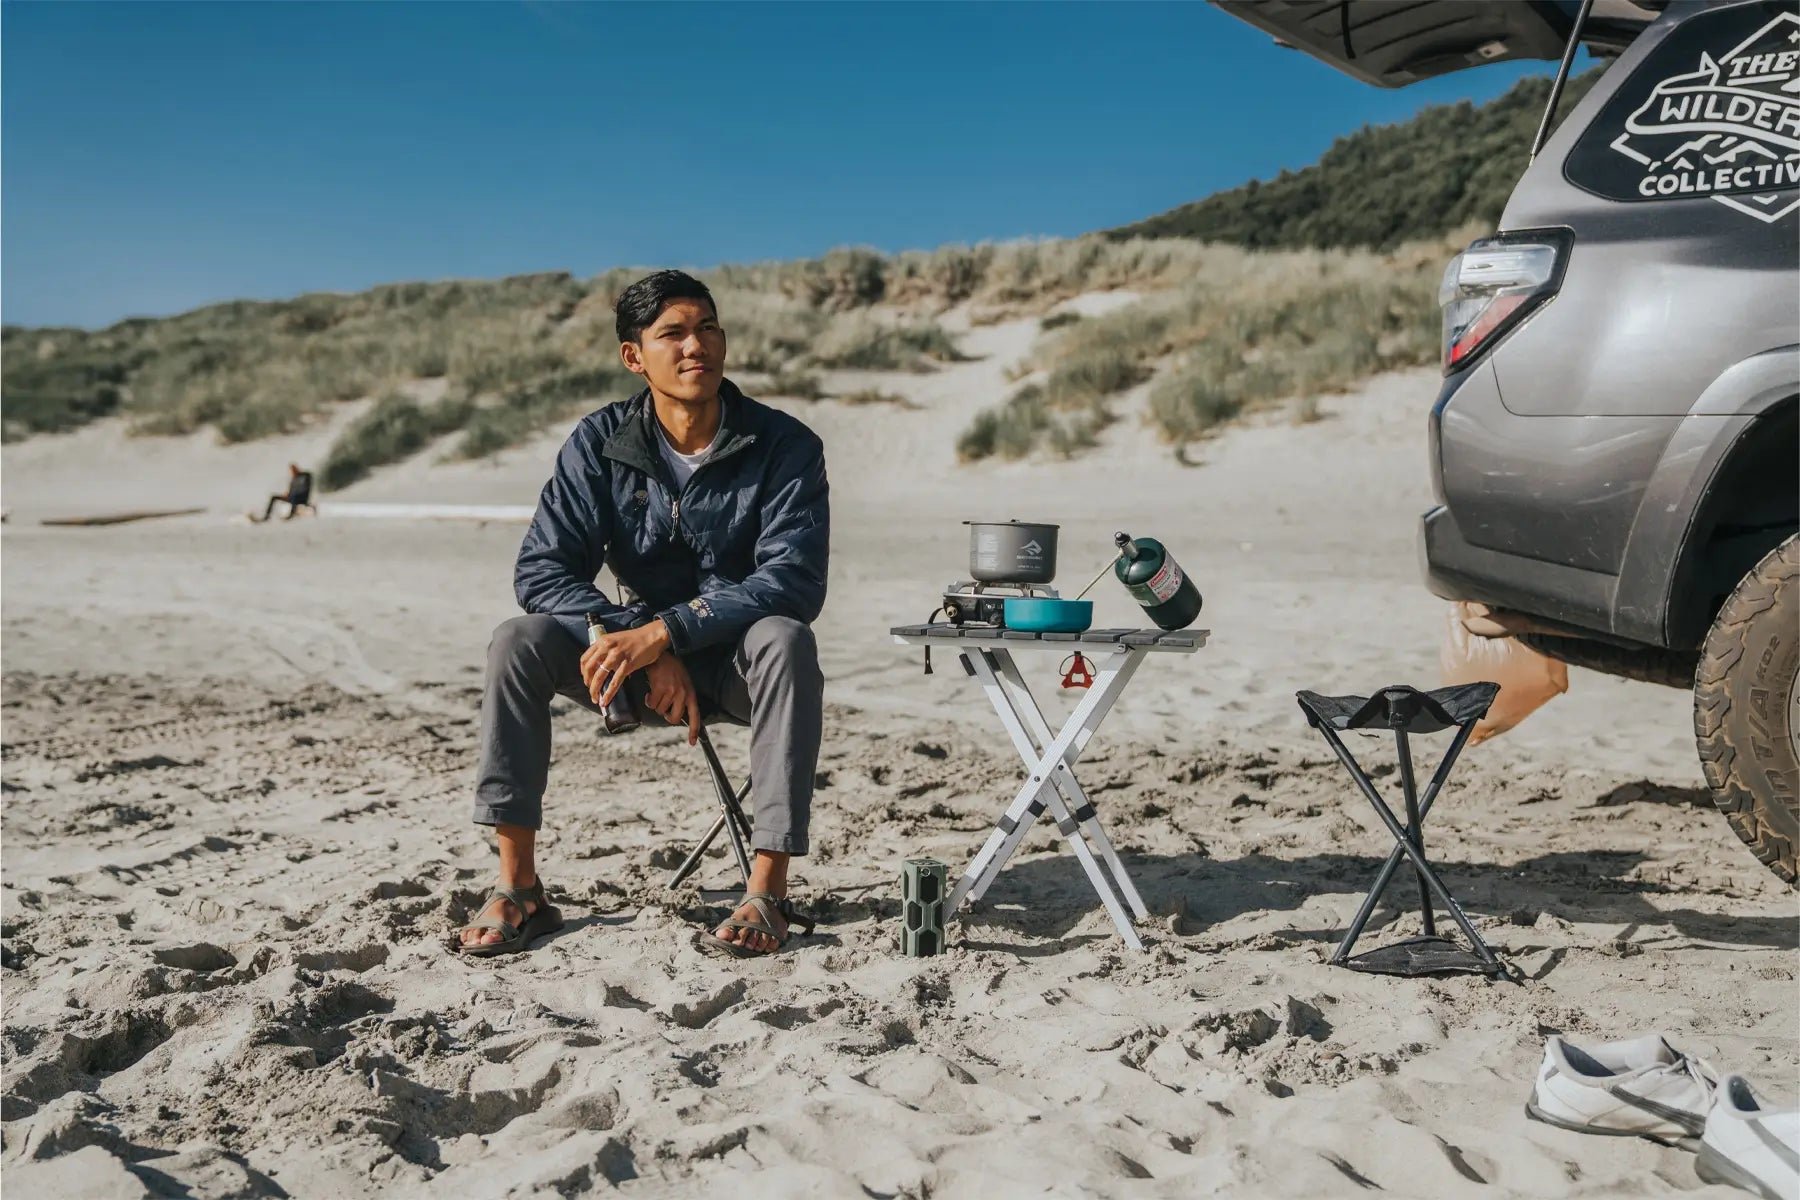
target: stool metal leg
1413 826
738 833
738 826
1404 845
731 818
1386 874
692 862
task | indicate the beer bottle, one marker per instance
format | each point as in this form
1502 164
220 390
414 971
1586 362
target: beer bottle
620 716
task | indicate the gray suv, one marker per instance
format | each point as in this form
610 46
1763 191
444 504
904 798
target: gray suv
1614 449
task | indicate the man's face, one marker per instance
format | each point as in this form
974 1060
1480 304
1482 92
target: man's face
682 354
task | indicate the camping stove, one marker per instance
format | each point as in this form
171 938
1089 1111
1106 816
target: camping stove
970 603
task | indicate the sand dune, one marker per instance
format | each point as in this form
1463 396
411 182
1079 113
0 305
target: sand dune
237 762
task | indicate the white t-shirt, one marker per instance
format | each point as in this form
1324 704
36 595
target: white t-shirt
681 466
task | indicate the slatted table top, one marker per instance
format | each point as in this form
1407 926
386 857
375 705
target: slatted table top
1179 641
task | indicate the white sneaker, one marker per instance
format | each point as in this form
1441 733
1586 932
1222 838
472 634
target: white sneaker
1748 1146
1640 1088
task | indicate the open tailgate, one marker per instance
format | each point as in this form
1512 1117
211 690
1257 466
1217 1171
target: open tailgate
1391 43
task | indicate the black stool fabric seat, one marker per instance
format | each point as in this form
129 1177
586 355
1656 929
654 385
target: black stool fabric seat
1406 711
1402 707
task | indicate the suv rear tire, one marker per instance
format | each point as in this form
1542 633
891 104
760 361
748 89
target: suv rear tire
1745 722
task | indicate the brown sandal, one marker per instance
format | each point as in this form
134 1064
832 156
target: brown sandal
768 906
513 939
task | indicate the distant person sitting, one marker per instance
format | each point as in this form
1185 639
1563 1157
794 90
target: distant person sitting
297 496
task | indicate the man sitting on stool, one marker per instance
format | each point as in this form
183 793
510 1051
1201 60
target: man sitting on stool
297 496
712 511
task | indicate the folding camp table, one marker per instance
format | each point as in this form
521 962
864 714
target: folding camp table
987 654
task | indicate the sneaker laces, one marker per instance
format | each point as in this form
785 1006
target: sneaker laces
1697 1069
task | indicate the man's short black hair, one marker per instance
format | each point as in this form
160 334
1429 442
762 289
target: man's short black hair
640 304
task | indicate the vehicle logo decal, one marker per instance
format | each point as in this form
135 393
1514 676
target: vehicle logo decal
1732 124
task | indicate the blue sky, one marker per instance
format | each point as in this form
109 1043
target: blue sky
158 157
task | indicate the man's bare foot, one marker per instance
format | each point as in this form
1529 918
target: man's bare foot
751 939
502 909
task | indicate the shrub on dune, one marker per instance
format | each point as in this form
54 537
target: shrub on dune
868 344
796 385
395 427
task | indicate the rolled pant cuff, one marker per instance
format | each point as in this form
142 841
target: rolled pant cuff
777 843
505 814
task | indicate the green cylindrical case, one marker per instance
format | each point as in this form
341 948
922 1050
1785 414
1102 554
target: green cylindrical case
924 887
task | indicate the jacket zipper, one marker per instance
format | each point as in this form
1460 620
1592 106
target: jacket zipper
675 496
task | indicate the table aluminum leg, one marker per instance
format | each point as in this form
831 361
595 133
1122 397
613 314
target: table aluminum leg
1063 775
1041 788
1016 822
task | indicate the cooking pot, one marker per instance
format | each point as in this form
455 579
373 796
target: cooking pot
1011 551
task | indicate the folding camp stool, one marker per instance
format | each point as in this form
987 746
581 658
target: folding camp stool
731 816
1407 711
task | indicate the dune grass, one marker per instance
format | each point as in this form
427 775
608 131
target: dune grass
395 427
1253 329
1030 275
869 344
528 352
251 369
519 354
1030 418
794 385
497 422
865 396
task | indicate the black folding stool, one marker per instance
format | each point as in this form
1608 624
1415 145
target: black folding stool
731 816
1407 711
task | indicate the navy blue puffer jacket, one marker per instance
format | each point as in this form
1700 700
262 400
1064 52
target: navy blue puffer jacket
748 537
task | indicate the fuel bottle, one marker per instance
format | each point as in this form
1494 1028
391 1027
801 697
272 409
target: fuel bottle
1150 574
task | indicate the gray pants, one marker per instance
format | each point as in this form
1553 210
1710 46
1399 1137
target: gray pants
770 680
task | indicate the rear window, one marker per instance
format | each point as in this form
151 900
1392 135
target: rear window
1712 112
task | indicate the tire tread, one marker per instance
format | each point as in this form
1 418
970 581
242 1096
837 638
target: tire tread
1725 647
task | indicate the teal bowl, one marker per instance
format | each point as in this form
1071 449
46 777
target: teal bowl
1040 614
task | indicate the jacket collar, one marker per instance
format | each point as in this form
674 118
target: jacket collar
634 442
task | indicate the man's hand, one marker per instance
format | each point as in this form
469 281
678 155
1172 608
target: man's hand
612 659
672 694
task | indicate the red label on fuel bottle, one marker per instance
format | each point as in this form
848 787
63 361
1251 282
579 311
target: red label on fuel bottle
1160 586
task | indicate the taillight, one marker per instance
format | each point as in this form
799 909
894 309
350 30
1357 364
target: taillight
1495 284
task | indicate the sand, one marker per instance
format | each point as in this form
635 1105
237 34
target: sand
237 763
